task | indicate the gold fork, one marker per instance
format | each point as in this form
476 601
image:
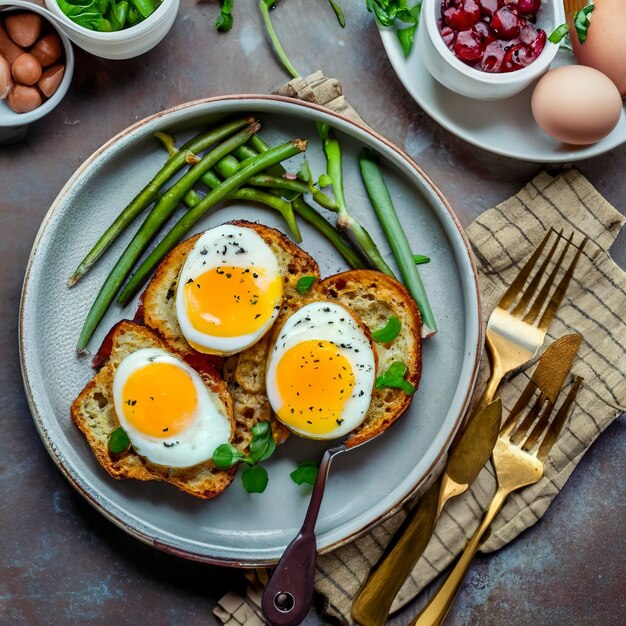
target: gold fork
515 330
518 459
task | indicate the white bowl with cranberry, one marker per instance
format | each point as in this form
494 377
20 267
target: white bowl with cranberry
488 49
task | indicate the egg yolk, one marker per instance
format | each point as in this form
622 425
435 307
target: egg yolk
314 382
159 399
229 301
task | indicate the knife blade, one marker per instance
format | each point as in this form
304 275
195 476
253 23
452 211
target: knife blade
549 375
467 458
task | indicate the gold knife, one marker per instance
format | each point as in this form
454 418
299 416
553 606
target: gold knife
469 453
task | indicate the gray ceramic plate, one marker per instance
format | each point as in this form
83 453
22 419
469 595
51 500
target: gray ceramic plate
239 528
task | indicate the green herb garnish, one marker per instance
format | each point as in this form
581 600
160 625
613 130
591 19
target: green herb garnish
388 11
406 36
389 331
305 283
305 473
119 443
394 377
338 12
262 446
224 20
582 22
559 33
255 479
420 259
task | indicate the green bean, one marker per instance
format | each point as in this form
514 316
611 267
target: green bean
186 222
150 192
153 222
388 218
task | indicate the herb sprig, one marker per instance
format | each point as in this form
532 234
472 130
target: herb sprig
389 331
388 12
582 21
262 446
394 377
305 473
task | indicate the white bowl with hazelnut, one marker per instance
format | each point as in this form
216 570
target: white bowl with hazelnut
36 67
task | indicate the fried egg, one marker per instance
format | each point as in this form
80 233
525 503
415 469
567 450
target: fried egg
229 291
169 415
321 372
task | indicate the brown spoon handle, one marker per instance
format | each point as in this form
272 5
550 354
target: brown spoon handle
289 593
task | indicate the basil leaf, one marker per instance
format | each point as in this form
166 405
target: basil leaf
255 479
224 20
559 33
118 441
262 445
394 377
389 331
305 473
582 22
305 283
226 455
420 259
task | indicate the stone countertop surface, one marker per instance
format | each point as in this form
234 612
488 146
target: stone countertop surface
62 562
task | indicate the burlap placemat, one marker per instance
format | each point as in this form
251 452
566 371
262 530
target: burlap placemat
502 239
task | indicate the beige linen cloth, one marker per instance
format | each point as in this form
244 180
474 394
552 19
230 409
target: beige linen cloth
502 239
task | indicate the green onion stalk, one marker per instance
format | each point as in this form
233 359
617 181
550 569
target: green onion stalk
254 166
383 206
264 7
345 222
150 193
159 214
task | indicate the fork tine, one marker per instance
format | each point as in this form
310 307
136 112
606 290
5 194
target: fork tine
537 410
520 405
514 289
542 296
529 292
559 421
559 292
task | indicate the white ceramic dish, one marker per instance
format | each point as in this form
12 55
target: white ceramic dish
367 484
467 81
505 127
13 126
123 44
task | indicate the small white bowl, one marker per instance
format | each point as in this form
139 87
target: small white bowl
451 72
121 44
13 126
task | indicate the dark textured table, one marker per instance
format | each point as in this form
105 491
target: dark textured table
62 562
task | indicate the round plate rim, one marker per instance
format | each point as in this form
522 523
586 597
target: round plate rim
57 455
389 40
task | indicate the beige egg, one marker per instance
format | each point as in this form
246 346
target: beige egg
576 104
605 46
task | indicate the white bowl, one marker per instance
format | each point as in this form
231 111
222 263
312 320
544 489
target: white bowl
121 44
451 72
13 126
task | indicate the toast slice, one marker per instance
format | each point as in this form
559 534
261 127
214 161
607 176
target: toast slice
375 297
244 372
94 413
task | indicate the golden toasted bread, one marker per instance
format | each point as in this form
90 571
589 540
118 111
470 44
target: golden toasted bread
375 297
245 372
94 413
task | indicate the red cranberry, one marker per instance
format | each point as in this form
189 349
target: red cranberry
516 57
527 32
528 6
461 15
538 45
505 23
448 35
482 31
488 7
468 46
493 57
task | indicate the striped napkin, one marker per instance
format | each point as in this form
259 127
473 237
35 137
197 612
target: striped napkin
502 239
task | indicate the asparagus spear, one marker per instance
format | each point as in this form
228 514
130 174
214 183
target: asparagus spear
150 227
383 206
151 191
345 221
185 223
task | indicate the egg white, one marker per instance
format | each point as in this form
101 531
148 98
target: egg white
219 246
209 427
326 321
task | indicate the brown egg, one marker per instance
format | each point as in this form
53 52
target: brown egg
51 79
23 28
605 46
26 69
6 80
48 49
23 99
576 104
